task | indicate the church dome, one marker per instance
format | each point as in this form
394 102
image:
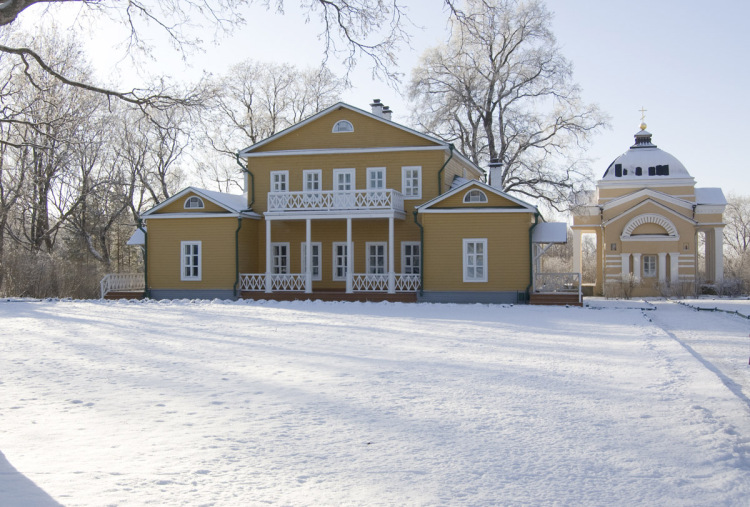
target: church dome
644 161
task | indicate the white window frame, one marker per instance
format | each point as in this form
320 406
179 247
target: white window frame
416 260
335 258
283 181
470 261
192 261
469 196
350 171
646 260
374 269
370 171
407 180
196 199
318 173
317 259
342 127
278 268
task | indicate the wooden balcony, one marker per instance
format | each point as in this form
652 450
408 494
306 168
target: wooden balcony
386 200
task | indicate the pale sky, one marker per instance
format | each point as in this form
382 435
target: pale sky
684 61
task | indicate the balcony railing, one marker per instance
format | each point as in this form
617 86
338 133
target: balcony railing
335 200
555 283
295 282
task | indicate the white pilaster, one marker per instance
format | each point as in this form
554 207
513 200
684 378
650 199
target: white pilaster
637 267
268 256
662 267
349 257
625 265
718 241
391 259
577 264
674 268
308 256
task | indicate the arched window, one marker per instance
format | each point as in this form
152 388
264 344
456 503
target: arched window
194 202
475 196
343 126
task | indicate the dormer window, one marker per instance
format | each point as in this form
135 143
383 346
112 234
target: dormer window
194 202
343 126
475 196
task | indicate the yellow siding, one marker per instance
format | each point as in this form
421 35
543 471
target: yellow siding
456 168
429 161
507 250
368 132
179 206
217 251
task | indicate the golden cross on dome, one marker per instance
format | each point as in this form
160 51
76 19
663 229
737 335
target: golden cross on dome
643 118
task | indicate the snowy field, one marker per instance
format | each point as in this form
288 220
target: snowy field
213 403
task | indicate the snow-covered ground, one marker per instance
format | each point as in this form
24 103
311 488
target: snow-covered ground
213 403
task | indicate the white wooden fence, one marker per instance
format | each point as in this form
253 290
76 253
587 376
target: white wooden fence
113 282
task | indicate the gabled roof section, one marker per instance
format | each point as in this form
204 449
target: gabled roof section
233 203
336 107
647 192
520 205
626 215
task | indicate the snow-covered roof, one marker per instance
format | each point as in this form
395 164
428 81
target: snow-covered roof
484 186
710 195
644 161
234 203
550 232
137 238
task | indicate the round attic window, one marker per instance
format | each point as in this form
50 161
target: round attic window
194 202
475 196
343 126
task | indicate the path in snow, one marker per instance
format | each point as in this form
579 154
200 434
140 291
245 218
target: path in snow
387 404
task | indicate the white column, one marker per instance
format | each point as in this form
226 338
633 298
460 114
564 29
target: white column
349 257
662 267
674 267
637 267
577 265
718 244
625 265
268 255
308 256
391 259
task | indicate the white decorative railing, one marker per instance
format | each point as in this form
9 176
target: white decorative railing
279 282
369 283
407 283
333 200
360 282
122 282
252 281
550 283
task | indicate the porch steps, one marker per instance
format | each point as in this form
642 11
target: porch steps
554 299
399 297
125 294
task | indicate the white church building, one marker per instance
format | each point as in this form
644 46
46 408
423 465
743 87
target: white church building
656 233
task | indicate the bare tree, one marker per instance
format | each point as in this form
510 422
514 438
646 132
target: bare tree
501 89
254 101
737 237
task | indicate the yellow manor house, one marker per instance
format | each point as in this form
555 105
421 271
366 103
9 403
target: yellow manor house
349 205
648 220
